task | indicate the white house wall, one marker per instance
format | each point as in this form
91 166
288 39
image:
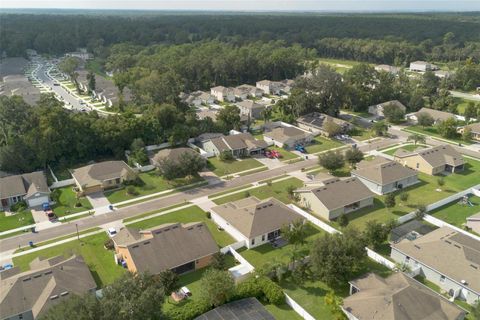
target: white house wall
222 223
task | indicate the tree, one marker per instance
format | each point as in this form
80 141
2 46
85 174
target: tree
216 287
225 155
91 82
335 303
343 220
69 66
470 111
393 113
229 117
375 233
467 134
417 138
336 257
332 128
475 311
186 164
331 160
291 192
219 261
379 128
138 152
295 233
430 83
76 307
425 120
390 200
266 114
420 212
447 128
168 280
354 156
441 182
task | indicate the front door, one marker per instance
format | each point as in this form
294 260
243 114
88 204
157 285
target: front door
4 203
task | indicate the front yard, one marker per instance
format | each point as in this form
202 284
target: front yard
285 155
190 214
320 144
17 220
223 168
408 147
277 190
432 131
67 202
99 260
456 213
152 182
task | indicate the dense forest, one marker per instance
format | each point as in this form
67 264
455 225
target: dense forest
375 38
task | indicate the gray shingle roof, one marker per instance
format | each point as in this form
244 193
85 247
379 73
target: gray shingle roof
383 171
23 184
244 309
435 156
95 174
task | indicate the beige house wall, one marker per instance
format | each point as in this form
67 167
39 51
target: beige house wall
418 163
128 258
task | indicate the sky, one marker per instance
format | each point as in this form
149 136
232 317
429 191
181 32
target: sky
253 5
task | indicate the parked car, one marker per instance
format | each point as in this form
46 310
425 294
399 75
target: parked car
300 148
111 232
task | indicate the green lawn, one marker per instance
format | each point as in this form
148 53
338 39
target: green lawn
424 193
99 260
320 144
67 201
408 147
19 219
339 65
285 155
190 214
432 131
283 312
222 168
457 214
277 190
152 183
361 134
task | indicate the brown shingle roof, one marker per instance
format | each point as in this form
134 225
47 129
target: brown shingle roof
282 134
436 114
253 217
435 156
382 171
23 184
96 173
318 120
398 297
168 246
238 141
440 247
172 154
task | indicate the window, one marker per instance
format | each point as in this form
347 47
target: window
253 241
442 279
418 165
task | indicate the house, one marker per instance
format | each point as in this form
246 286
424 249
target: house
223 94
447 258
105 89
474 129
383 176
434 160
397 297
172 155
378 109
316 121
29 294
240 145
207 113
254 221
197 98
251 109
81 53
275 87
30 187
422 66
335 197
243 309
437 115
443 74
387 68
246 91
101 176
410 230
473 222
173 246
287 137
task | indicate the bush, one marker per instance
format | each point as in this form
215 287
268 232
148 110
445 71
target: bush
249 288
109 244
404 196
343 220
225 156
273 292
19 206
78 204
131 190
188 311
208 214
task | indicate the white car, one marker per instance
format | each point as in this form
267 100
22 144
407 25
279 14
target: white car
111 232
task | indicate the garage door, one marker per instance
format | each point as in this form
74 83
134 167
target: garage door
35 202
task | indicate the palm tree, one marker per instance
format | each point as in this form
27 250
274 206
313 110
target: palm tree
417 138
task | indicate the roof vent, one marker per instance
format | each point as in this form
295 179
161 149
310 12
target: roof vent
54 297
64 293
158 232
48 272
27 279
417 246
37 275
135 246
146 242
474 267
456 245
191 228
175 227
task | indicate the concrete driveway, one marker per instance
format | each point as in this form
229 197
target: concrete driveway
38 215
99 202
269 163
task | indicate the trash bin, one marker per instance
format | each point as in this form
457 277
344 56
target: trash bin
30 243
110 207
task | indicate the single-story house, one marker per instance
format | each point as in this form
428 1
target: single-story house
387 68
245 91
173 155
383 176
254 221
275 87
29 294
173 246
434 160
101 176
31 187
473 222
475 130
243 309
410 230
240 145
397 297
335 197
288 137
223 94
316 121
437 115
447 258
251 109
444 74
377 109
197 98
422 66
105 89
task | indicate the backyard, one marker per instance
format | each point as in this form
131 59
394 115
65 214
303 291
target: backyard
67 201
277 190
99 260
456 213
223 168
152 182
320 144
17 220
186 215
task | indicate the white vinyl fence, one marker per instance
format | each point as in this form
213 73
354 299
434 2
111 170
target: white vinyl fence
380 259
62 183
298 308
313 219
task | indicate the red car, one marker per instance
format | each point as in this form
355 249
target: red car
276 154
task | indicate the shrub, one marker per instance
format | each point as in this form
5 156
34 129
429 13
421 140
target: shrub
78 204
208 214
187 311
404 196
273 292
219 261
19 206
246 194
343 220
249 288
131 190
225 156
109 244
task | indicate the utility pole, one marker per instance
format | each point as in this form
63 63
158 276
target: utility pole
78 235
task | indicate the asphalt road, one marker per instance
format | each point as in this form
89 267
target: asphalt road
156 204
